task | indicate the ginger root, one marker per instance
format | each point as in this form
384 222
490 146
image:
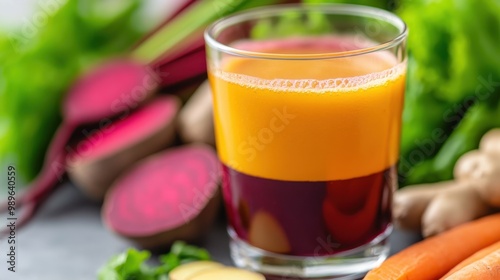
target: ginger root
208 270
474 192
452 207
228 273
490 142
410 203
188 270
484 170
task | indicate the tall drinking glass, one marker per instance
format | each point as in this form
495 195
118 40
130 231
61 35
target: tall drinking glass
307 110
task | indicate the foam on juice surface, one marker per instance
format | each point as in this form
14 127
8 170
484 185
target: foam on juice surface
315 85
319 75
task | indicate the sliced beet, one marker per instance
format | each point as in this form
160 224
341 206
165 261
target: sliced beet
106 89
99 159
166 197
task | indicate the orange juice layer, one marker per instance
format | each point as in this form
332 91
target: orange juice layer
315 120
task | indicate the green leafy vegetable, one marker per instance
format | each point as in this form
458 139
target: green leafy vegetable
185 251
131 265
128 265
465 137
291 23
384 4
454 69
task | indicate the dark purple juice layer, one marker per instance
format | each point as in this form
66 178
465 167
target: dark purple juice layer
308 218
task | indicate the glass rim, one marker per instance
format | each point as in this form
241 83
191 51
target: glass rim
334 9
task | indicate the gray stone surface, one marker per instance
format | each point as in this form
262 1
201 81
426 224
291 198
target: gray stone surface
67 241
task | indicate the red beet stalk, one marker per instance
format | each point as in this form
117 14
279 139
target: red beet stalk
186 67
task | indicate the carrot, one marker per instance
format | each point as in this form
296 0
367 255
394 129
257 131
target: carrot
477 256
487 268
435 256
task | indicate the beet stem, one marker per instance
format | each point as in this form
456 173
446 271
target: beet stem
52 171
28 212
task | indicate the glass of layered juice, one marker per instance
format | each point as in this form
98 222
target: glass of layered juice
307 110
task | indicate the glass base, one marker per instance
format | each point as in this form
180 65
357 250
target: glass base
352 264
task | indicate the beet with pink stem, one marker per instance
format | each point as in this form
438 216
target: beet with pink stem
166 197
106 91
